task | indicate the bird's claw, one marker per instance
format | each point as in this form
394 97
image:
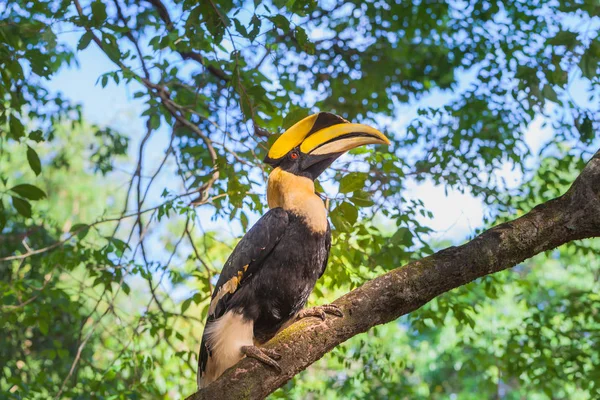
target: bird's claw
271 353
266 356
321 311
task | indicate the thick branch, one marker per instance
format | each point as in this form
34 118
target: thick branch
575 215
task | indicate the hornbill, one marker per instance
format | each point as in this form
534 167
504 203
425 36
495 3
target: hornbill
267 279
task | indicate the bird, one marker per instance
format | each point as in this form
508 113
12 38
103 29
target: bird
266 281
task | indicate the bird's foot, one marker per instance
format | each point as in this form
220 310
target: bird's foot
321 311
266 356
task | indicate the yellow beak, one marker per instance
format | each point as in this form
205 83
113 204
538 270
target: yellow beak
341 138
324 133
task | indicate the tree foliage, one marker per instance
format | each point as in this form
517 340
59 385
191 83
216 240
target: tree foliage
105 265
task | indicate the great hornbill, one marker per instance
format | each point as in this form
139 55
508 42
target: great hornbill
267 279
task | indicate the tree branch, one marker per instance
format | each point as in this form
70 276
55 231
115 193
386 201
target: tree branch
573 216
163 13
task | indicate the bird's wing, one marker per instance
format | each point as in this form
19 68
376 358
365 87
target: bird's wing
327 248
246 259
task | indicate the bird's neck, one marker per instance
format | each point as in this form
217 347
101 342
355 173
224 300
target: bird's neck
297 194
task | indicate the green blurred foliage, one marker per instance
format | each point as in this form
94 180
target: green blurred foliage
106 267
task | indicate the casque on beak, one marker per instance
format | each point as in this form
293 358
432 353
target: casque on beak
319 140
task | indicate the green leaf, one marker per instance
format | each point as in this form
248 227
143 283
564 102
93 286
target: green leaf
588 65
352 182
36 135
402 236
81 230
244 221
34 160
120 246
43 324
319 187
16 128
28 191
240 28
586 130
98 12
303 41
198 297
85 40
155 121
216 20
344 216
186 304
256 23
350 212
111 48
22 206
362 199
280 22
549 93
564 38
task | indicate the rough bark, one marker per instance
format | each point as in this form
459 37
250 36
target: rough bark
575 215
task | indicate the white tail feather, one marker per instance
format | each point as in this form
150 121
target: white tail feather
225 337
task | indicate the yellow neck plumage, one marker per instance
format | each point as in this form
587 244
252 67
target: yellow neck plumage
297 194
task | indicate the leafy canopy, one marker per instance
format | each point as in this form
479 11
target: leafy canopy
105 263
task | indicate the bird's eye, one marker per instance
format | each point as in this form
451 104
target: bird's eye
294 155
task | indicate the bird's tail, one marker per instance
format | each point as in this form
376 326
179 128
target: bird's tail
202 363
221 345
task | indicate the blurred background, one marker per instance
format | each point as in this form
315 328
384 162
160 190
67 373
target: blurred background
132 135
